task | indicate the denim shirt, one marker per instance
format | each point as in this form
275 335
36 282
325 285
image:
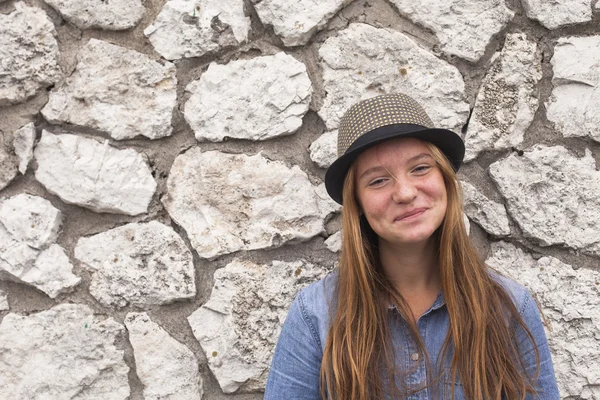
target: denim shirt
295 369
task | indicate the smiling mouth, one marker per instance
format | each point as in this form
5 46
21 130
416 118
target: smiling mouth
411 214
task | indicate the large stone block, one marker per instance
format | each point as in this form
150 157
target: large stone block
488 214
239 325
558 13
111 15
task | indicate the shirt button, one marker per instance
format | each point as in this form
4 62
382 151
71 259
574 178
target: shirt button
415 356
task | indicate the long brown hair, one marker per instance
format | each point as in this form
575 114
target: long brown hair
358 361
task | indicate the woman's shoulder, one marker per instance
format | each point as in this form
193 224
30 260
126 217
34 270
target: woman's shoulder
319 294
519 294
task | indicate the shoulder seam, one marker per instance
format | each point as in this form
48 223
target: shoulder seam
525 303
306 320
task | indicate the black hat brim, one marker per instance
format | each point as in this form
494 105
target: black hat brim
446 140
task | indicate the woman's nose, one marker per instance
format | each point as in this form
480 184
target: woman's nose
404 191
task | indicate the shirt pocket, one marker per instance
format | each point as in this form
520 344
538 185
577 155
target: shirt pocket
449 384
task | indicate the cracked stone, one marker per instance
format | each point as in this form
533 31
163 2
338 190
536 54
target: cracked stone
488 214
323 151
575 97
232 202
570 299
65 353
362 61
3 301
8 167
334 242
508 99
23 140
297 22
463 27
118 91
255 99
239 325
558 13
167 368
552 196
185 28
94 175
138 264
111 15
28 54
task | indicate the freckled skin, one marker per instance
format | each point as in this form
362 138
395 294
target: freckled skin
401 179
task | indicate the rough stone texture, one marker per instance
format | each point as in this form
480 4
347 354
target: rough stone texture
93 175
463 27
557 13
362 61
467 223
296 22
508 99
28 54
32 220
111 15
138 264
3 301
109 87
323 151
23 141
193 28
553 196
573 105
168 369
230 202
65 353
488 214
570 300
254 99
334 242
239 325
8 167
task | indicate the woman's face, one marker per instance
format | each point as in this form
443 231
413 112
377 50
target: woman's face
401 191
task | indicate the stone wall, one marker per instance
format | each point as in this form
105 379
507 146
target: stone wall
161 195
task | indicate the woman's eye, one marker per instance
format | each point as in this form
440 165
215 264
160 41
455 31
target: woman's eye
422 168
377 182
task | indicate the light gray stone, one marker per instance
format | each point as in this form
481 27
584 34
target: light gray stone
467 223
557 13
297 21
94 175
31 219
570 300
110 15
488 214
3 301
552 196
28 54
138 264
463 27
508 98
8 167
168 369
65 353
187 28
255 99
362 61
23 140
323 151
239 325
230 202
334 242
118 91
575 100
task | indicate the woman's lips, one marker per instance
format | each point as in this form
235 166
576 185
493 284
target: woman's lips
411 214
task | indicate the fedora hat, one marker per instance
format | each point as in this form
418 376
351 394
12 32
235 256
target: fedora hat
381 118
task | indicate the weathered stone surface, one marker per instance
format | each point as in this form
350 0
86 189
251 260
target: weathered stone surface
570 300
254 99
110 15
23 141
575 100
230 202
508 98
168 369
467 223
323 151
557 13
31 219
239 325
296 22
28 54
118 91
553 196
463 27
334 242
138 264
488 214
65 353
93 175
362 61
8 167
193 28
3 301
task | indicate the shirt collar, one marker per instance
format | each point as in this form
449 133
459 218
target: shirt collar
437 304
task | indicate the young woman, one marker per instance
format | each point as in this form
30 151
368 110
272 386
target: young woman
412 312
